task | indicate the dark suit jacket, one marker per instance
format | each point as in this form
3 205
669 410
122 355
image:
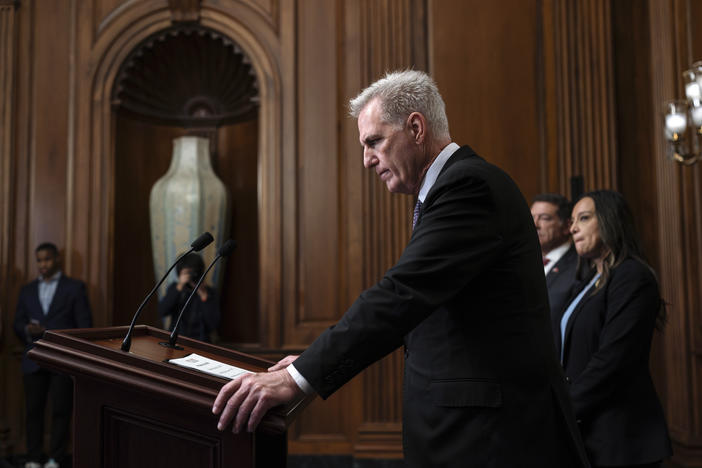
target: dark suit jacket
606 358
69 309
560 281
482 387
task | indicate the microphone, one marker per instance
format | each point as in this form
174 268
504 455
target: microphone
224 251
198 244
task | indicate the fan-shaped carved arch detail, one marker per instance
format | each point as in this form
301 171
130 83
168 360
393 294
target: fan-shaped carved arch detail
187 76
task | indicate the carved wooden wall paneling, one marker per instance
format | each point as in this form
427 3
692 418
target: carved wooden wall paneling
678 44
664 195
636 176
316 225
317 171
670 228
7 71
392 37
691 13
17 228
8 51
38 147
486 58
48 138
585 107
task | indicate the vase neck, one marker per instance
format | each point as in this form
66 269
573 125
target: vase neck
191 153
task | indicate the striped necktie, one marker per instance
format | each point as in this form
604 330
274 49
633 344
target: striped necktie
415 216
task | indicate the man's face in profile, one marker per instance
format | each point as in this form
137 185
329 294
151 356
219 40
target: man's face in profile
390 149
47 263
551 229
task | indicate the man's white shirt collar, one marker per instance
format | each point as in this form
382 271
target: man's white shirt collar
555 255
435 169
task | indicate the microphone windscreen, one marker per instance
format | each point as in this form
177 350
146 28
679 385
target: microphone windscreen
201 242
227 248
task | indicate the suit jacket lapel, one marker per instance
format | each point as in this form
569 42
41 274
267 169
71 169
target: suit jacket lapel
35 303
58 296
551 276
461 153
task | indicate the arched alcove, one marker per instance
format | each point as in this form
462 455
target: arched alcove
186 80
101 175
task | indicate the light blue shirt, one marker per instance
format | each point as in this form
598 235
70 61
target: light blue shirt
47 289
571 308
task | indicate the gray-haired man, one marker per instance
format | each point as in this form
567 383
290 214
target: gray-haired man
467 299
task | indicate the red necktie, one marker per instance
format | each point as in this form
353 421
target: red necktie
546 260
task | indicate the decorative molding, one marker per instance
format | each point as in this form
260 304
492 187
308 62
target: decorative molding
379 440
189 77
268 9
184 10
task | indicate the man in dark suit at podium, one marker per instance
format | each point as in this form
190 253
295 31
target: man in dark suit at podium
551 213
467 299
53 301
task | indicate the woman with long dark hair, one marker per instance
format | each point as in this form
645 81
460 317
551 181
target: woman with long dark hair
605 338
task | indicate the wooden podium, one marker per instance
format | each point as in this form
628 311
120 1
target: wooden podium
135 409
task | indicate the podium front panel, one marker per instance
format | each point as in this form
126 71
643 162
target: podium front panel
136 410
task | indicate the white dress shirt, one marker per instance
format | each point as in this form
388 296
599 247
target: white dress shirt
47 289
555 255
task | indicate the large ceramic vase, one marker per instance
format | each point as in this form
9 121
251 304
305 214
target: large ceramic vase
187 201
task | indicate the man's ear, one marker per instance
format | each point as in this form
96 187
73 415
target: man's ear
418 125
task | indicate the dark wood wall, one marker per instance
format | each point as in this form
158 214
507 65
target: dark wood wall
547 89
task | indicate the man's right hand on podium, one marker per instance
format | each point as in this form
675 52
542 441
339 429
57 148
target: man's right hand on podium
246 399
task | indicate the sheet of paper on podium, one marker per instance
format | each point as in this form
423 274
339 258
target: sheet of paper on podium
209 366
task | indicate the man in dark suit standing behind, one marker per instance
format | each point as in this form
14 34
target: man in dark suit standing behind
551 213
467 298
53 301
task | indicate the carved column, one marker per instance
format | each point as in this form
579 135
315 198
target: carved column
579 67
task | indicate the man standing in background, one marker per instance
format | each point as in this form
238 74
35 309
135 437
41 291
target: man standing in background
551 213
52 301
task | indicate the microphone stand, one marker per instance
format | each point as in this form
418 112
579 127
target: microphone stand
198 244
224 251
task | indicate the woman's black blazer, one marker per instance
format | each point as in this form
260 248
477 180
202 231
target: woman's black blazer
606 360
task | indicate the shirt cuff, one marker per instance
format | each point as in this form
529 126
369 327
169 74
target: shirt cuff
300 380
